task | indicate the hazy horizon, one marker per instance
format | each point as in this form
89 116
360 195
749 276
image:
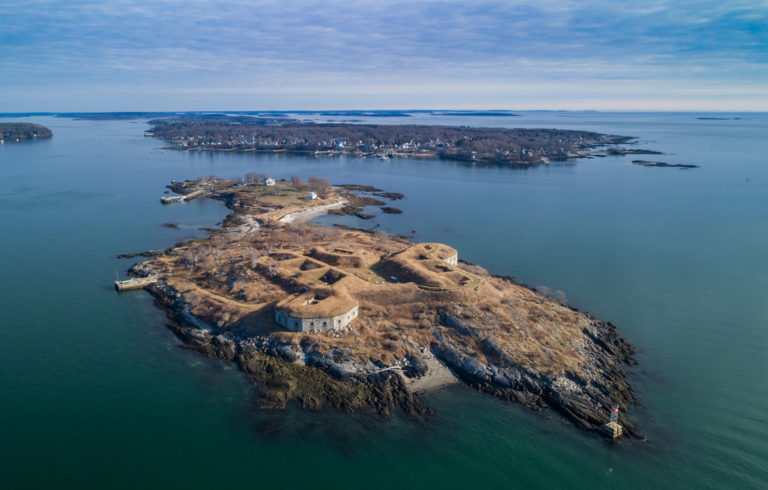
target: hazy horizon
131 55
367 109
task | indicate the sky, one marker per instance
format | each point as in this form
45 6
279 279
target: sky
140 55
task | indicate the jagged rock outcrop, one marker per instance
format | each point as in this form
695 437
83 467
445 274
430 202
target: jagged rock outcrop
583 397
420 310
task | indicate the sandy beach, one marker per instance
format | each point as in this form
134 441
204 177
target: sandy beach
307 214
437 375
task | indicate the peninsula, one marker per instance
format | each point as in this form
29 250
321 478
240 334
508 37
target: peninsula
16 132
483 145
353 319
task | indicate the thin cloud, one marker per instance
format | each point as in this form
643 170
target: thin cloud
203 45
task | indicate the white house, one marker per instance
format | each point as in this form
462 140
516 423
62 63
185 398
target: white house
311 196
268 181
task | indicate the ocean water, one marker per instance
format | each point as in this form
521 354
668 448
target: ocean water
96 392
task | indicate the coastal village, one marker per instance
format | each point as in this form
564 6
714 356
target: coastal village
351 319
490 145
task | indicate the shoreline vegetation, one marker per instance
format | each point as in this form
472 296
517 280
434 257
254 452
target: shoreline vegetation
17 132
422 318
501 146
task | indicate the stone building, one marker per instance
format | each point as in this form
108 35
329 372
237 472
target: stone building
329 280
314 311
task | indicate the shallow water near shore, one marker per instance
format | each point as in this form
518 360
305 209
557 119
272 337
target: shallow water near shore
97 393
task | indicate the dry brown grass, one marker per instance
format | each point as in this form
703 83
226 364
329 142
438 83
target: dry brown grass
235 281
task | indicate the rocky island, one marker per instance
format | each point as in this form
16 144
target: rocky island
481 145
352 319
16 132
651 163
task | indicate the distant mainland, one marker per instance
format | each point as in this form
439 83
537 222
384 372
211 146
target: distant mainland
110 116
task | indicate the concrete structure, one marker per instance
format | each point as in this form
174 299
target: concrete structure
136 283
324 302
170 199
340 257
447 254
452 259
185 197
311 196
329 280
268 181
430 265
314 324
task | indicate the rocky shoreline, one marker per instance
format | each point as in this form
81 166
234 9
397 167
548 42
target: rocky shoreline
573 396
459 339
285 372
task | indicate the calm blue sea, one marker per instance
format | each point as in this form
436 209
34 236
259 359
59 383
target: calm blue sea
96 393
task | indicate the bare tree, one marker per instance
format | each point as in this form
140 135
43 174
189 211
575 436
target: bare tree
252 177
321 186
556 296
297 183
189 257
253 256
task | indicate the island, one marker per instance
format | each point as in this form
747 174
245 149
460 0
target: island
355 319
651 163
476 113
17 132
631 151
499 146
